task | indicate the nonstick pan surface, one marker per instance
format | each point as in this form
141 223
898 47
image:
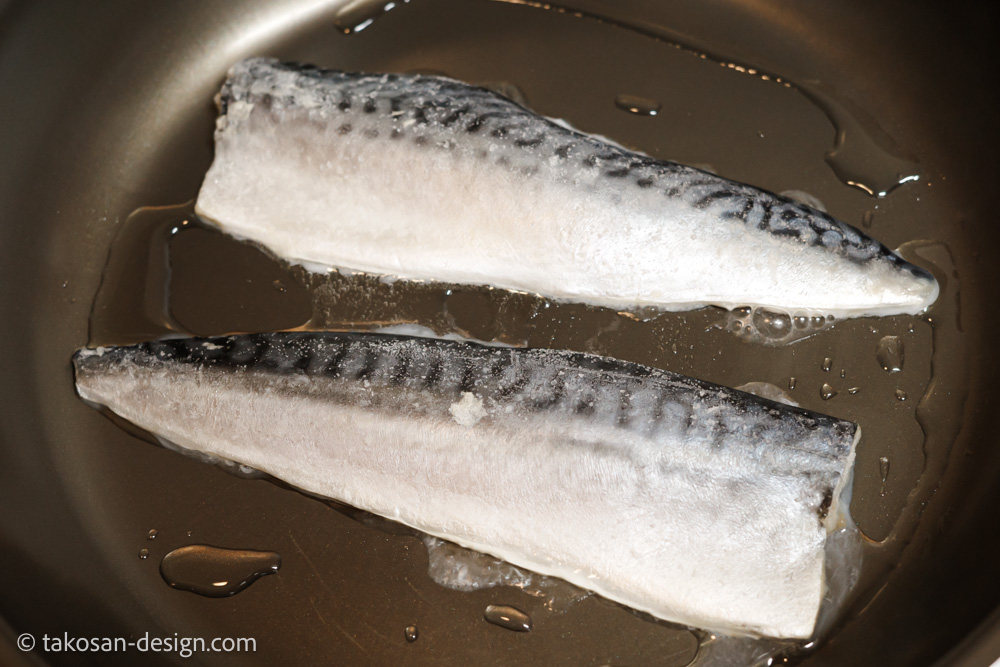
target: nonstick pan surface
106 108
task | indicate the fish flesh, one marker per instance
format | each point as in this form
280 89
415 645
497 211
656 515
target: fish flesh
693 502
427 178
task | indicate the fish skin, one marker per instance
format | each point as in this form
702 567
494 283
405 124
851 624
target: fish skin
694 502
428 178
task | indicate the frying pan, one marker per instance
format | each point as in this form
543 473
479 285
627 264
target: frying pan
105 108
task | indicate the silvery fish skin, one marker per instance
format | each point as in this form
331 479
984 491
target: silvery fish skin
427 178
693 502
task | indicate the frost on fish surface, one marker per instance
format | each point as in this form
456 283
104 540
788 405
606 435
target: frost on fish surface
690 501
467 410
425 105
420 331
428 178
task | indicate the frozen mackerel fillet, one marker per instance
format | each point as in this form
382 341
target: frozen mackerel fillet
423 177
693 502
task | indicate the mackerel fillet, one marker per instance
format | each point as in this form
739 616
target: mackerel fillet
423 177
693 502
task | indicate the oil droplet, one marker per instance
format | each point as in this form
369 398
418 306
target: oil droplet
890 354
827 392
867 219
853 390
508 617
143 554
900 395
411 633
791 383
280 286
827 364
640 106
152 534
215 572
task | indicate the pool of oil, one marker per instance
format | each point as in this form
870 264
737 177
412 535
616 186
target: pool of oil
349 592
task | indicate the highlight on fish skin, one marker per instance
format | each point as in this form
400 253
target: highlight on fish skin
696 503
427 178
